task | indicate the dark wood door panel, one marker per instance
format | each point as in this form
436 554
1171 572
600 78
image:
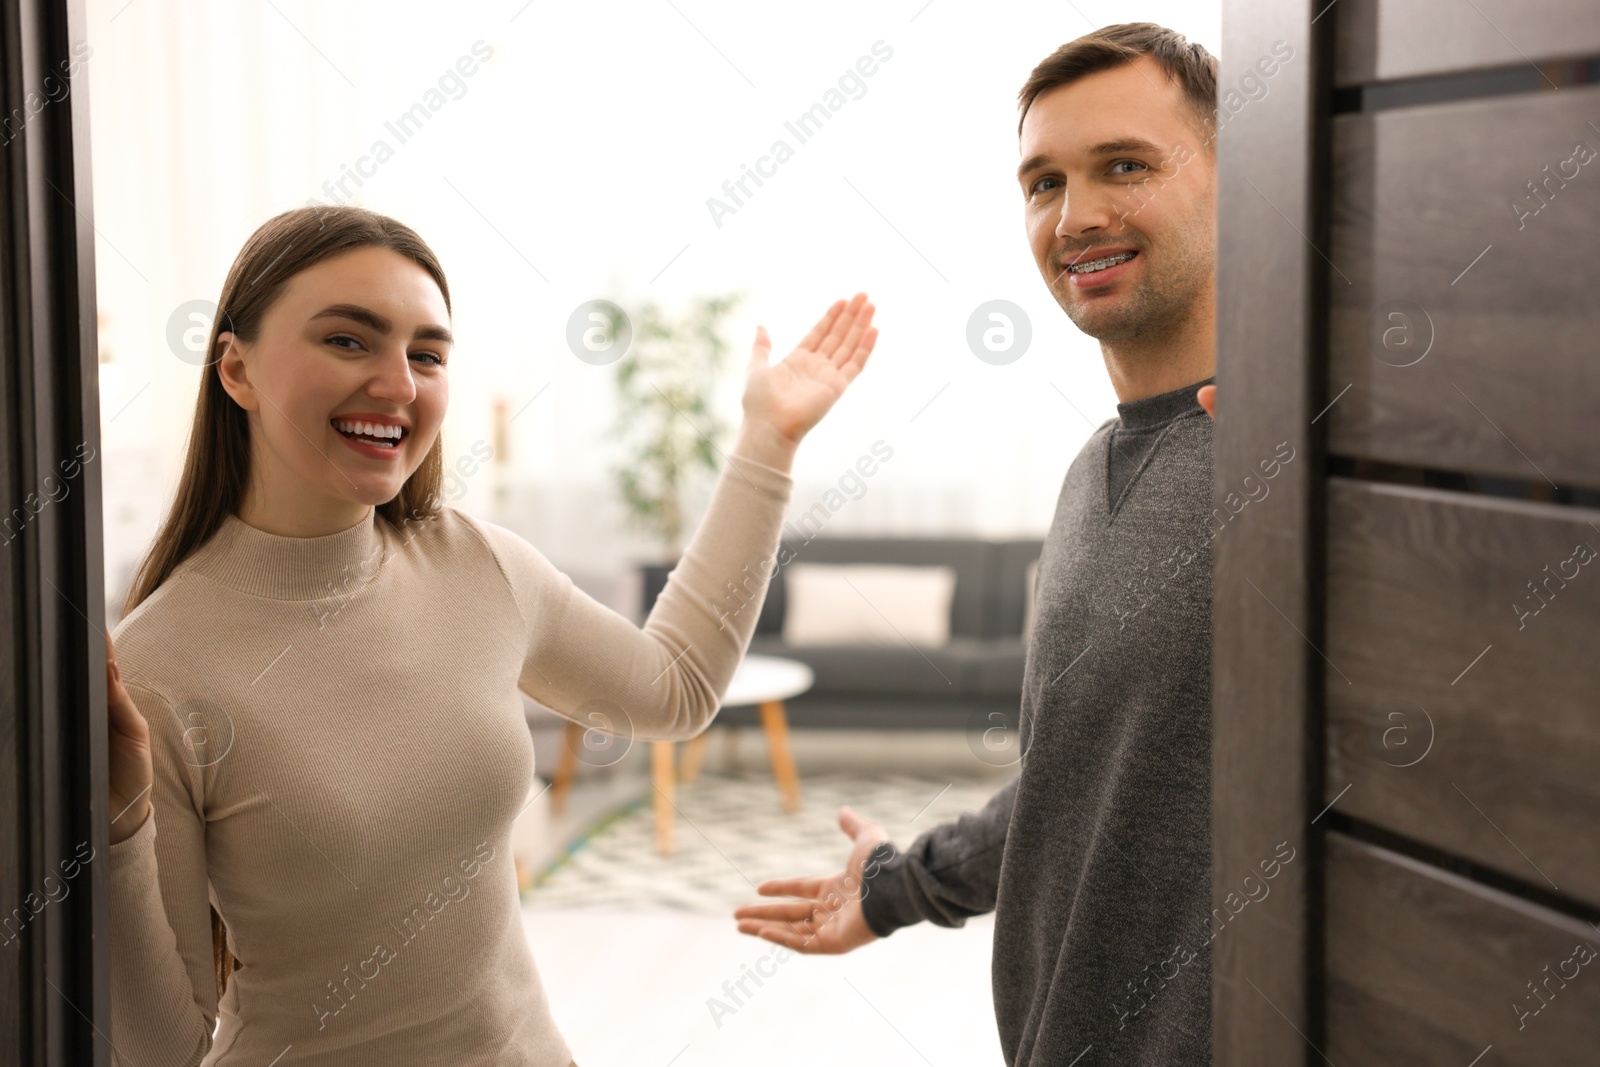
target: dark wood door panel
1427 969
1463 313
1381 40
1463 703
1266 316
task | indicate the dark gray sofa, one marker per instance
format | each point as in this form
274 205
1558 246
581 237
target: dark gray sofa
897 686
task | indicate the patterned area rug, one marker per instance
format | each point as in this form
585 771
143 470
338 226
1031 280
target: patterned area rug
732 833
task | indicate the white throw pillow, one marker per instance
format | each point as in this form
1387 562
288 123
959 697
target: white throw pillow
1027 612
867 604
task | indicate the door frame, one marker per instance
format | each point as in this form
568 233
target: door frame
54 973
1272 280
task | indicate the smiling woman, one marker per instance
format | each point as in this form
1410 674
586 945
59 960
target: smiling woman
305 359
368 741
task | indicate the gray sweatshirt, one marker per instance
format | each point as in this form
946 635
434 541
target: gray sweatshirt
1096 859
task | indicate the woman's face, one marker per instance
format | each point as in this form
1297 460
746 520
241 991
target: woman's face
361 337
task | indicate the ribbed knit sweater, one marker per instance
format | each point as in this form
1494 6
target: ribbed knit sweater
339 751
1096 859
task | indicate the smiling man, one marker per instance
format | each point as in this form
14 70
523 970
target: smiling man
1096 859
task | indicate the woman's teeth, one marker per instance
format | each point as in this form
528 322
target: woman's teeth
1101 264
370 432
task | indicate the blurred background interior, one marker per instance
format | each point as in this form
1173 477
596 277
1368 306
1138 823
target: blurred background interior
555 155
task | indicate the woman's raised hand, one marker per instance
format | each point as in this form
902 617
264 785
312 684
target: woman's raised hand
782 401
128 745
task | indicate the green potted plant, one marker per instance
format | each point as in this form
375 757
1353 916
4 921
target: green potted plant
667 426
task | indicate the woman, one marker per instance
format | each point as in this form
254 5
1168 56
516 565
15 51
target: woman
316 744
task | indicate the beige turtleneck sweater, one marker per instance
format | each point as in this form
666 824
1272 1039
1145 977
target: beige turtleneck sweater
339 752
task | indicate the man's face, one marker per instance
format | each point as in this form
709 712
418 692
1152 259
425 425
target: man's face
1113 163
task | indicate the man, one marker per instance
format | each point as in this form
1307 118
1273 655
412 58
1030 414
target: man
1096 859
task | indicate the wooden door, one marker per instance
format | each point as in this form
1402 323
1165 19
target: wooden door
1407 621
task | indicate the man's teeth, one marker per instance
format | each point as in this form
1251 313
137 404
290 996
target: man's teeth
1101 264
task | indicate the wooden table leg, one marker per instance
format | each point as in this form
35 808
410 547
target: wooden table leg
571 738
694 757
775 721
661 777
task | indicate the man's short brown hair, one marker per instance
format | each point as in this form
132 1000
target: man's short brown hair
1190 65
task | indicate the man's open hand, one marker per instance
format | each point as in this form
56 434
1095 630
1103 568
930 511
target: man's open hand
827 917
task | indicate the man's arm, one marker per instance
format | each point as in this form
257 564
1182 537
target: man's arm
948 875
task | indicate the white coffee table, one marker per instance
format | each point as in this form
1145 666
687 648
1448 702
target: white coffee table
761 681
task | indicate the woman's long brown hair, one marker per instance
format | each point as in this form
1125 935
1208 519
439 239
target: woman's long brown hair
216 469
